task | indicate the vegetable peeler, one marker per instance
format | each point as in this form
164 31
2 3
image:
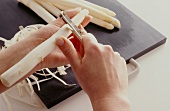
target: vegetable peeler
76 31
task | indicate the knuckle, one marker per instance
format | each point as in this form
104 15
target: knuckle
67 51
58 22
108 48
89 34
117 54
51 26
90 38
47 31
94 48
122 59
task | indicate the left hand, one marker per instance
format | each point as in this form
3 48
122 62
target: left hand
22 48
16 52
56 58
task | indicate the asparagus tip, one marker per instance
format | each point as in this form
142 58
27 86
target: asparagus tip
6 83
85 11
117 23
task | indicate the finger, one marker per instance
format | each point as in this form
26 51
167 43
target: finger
83 31
71 13
46 32
77 45
86 20
88 41
108 48
89 38
50 60
68 50
117 54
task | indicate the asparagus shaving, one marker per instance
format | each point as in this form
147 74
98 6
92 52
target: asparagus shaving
40 81
33 77
20 90
24 33
7 102
9 105
61 70
36 80
31 88
6 95
39 10
59 79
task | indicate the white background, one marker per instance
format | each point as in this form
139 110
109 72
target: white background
148 91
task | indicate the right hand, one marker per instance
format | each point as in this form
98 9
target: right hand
101 72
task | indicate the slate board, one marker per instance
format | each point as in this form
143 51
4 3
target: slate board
133 40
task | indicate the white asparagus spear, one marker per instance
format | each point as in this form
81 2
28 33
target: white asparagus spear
105 10
50 7
95 20
39 10
24 66
94 12
61 7
102 23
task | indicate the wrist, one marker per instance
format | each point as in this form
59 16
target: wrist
117 102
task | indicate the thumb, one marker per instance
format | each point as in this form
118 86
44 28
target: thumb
68 50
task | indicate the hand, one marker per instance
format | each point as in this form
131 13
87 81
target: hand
101 72
16 52
21 48
56 58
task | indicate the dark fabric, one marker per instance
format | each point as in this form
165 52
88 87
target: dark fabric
133 40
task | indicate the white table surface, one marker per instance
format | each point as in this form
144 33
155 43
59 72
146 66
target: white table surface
148 91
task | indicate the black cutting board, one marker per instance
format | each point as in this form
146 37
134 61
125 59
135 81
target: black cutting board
133 40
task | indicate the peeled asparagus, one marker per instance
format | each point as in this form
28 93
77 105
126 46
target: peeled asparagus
102 23
24 66
50 7
105 10
93 11
63 7
39 10
95 20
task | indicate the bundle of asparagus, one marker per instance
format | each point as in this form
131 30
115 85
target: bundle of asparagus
47 8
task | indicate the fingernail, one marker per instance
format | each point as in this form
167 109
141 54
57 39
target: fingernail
59 41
